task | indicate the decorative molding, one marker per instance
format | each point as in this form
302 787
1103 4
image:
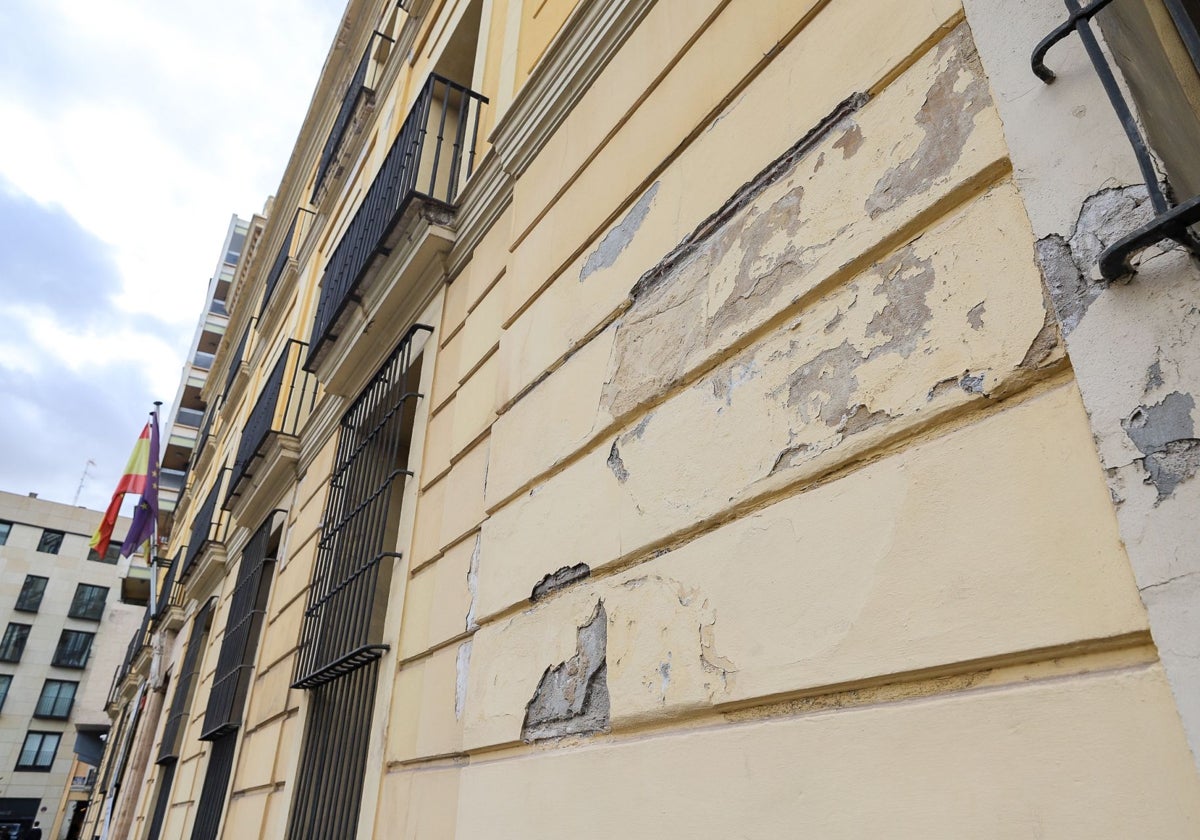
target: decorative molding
582 49
487 195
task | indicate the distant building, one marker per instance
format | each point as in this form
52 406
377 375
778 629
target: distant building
187 426
65 629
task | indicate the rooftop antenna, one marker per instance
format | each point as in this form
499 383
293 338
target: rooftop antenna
83 478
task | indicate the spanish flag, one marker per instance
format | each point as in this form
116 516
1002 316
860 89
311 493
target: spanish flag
135 480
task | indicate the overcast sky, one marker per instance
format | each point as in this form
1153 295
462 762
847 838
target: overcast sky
130 132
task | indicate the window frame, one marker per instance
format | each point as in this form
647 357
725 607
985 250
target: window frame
74 612
5 641
51 715
5 685
56 660
5 531
26 594
36 767
50 532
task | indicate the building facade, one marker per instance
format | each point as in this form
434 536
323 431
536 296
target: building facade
664 418
66 623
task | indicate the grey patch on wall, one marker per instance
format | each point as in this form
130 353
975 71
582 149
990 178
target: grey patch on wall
946 121
561 579
1165 434
572 697
616 464
1070 266
618 239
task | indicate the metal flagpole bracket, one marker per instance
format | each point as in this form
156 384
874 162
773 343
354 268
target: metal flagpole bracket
1171 221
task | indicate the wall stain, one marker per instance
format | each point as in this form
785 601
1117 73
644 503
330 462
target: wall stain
907 281
946 121
1165 434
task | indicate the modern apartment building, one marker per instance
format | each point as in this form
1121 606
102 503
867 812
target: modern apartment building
699 418
65 629
185 427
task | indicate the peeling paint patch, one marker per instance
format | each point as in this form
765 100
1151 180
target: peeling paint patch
1070 266
821 388
1165 434
462 666
972 383
572 697
560 579
860 419
473 585
946 121
618 239
975 315
908 280
850 141
616 464
1154 377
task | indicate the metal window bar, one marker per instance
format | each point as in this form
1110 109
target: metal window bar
204 528
166 778
170 593
1172 221
358 89
115 737
431 158
337 634
286 400
243 627
235 361
216 784
287 253
181 702
333 759
205 428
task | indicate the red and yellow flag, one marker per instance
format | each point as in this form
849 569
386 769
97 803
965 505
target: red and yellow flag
133 481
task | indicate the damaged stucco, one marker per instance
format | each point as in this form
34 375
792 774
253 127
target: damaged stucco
572 697
1132 344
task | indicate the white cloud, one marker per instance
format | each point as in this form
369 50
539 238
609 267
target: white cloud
147 124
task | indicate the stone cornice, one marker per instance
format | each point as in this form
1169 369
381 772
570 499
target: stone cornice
583 47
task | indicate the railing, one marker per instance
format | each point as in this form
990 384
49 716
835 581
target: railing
287 253
204 529
358 88
205 429
286 400
420 164
235 361
171 595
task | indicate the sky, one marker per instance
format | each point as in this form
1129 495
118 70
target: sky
130 133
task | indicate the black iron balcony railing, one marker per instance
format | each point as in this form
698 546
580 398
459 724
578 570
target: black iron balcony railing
431 159
287 253
207 527
235 361
171 595
284 404
360 87
205 428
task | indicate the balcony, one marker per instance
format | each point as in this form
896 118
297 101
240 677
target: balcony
269 434
285 264
189 417
236 360
208 528
361 89
431 159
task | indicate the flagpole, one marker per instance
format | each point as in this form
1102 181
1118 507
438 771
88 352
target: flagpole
152 543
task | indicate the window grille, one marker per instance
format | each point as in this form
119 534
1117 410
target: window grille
216 783
88 603
166 778
247 609
73 649
32 591
341 638
181 703
204 528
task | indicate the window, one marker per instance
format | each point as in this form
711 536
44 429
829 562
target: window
88 603
32 591
56 700
343 623
50 542
13 643
5 682
112 556
37 753
5 530
73 649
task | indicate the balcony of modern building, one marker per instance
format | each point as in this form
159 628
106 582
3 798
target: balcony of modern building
269 445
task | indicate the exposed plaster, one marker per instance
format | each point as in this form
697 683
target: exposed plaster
616 464
618 239
572 697
560 579
461 669
473 586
